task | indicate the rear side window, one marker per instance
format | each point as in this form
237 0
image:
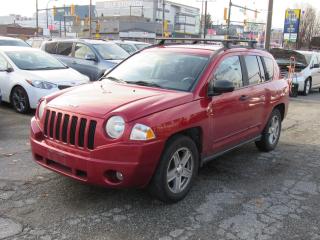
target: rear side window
51 47
254 76
64 48
230 70
269 68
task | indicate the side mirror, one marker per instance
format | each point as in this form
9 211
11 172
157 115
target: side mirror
219 87
316 65
90 57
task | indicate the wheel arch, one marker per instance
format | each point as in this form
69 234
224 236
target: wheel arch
282 108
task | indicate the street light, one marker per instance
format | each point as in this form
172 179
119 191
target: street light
47 12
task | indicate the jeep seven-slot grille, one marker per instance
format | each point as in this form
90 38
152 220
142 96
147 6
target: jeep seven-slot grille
70 129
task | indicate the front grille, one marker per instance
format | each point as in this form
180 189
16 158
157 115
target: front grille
64 127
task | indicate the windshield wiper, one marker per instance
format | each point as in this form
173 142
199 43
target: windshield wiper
144 83
114 79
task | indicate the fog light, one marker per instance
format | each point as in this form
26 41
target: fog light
119 176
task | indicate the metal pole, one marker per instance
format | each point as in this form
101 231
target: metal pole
205 19
201 20
163 16
37 18
269 23
64 21
90 19
229 20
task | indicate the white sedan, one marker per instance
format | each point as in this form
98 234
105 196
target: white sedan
28 74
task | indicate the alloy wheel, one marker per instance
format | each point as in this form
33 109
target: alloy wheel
274 130
19 100
180 170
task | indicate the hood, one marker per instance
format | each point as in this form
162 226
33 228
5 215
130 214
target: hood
130 101
285 54
66 76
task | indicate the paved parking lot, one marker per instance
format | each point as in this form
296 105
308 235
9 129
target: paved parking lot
242 195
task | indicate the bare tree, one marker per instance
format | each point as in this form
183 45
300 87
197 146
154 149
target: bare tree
309 26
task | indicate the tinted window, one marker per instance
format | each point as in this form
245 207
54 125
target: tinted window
269 68
82 50
253 69
230 69
64 48
51 47
141 46
170 70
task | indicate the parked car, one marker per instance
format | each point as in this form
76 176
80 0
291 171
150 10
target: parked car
90 57
132 46
28 74
0 96
36 42
158 116
9 41
307 71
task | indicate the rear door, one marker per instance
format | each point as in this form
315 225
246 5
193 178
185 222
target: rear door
228 112
316 72
256 90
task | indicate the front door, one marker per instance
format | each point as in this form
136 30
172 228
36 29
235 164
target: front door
227 112
5 85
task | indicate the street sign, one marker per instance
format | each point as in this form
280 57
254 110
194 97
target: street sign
291 25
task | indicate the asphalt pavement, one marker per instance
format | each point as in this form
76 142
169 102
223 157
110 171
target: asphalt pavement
245 194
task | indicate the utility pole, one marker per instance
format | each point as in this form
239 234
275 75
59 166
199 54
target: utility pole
269 23
205 18
90 19
163 16
229 18
37 19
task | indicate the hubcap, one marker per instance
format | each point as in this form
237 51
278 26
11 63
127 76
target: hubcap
180 170
19 100
274 130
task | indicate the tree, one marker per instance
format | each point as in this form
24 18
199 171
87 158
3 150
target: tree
309 26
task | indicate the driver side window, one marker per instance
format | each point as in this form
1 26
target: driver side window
82 50
3 63
230 70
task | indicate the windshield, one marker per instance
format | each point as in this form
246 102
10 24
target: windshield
141 46
170 70
34 60
111 51
128 48
308 57
17 43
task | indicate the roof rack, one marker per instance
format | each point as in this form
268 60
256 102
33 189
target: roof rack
227 43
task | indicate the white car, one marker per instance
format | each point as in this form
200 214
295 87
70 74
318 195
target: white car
28 74
307 67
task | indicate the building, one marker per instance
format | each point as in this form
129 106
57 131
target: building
15 30
182 20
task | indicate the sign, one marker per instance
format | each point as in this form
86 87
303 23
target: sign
291 24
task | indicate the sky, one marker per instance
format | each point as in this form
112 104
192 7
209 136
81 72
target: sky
215 7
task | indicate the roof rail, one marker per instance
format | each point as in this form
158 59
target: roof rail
227 43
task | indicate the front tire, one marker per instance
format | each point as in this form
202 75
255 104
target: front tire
177 169
307 87
271 133
19 100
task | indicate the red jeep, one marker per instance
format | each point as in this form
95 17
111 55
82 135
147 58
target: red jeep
162 113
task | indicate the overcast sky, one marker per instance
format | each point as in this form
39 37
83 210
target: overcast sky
215 7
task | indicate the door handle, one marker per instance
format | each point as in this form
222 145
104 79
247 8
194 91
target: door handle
244 98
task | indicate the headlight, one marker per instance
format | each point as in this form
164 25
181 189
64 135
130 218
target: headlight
42 84
115 127
141 132
41 109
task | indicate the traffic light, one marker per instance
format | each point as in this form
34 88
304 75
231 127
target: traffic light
54 9
72 10
225 14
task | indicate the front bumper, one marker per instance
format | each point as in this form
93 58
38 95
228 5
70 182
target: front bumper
136 161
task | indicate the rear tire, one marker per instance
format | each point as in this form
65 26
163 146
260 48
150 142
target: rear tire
19 100
307 87
271 133
176 171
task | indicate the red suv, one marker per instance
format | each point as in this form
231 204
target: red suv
162 113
